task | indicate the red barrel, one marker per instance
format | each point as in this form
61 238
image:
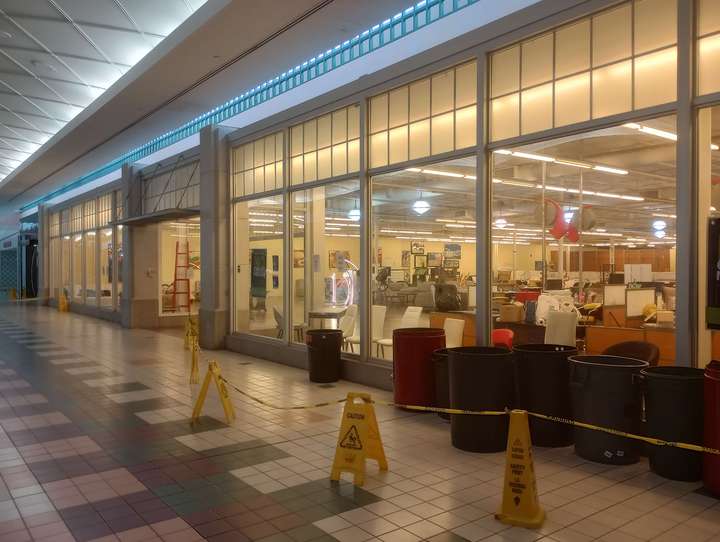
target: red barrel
711 462
413 369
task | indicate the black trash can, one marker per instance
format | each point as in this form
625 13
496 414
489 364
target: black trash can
481 378
542 376
442 381
674 410
605 391
324 346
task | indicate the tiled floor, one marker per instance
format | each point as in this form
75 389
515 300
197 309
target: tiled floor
95 444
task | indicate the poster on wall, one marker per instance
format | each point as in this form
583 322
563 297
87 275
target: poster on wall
417 247
298 259
276 263
336 258
452 263
434 259
421 260
453 250
405 258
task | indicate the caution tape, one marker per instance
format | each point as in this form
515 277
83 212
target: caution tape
420 408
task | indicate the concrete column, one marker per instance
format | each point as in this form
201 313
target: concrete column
44 261
214 238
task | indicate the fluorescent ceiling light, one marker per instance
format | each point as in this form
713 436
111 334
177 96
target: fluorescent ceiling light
608 169
602 234
543 158
659 133
441 173
531 156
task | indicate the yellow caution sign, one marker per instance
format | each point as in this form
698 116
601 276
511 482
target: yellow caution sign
213 374
358 440
63 303
191 331
194 368
520 505
13 294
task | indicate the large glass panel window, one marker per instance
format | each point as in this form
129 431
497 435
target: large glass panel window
180 266
431 116
177 188
326 260
258 166
258 253
615 61
77 267
107 273
708 139
708 46
327 146
91 268
591 219
423 249
118 270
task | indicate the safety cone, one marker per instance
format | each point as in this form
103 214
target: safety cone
520 505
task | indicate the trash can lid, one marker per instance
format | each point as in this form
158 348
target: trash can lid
323 331
418 331
673 373
480 351
544 348
712 370
608 362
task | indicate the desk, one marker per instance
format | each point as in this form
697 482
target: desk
598 338
326 313
437 319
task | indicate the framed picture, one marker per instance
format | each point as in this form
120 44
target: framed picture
452 263
336 258
417 247
276 263
405 258
421 260
275 282
434 259
453 250
298 258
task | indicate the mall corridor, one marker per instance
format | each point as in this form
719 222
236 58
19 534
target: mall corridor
95 444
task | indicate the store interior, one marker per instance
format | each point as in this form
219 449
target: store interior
587 219
179 266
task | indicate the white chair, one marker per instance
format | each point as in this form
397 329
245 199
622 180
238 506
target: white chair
560 328
410 318
347 323
454 329
377 323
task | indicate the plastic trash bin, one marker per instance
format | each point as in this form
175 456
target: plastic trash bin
674 412
324 347
606 392
711 462
481 378
413 370
543 376
442 381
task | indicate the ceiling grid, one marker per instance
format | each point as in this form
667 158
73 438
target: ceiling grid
57 56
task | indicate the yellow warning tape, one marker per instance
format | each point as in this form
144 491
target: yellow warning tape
419 408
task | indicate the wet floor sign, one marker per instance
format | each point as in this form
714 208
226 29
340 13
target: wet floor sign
213 373
358 440
520 505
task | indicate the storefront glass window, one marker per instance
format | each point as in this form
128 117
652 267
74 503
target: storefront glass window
423 250
90 268
77 267
118 270
179 266
591 218
106 268
708 139
326 261
615 61
258 254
